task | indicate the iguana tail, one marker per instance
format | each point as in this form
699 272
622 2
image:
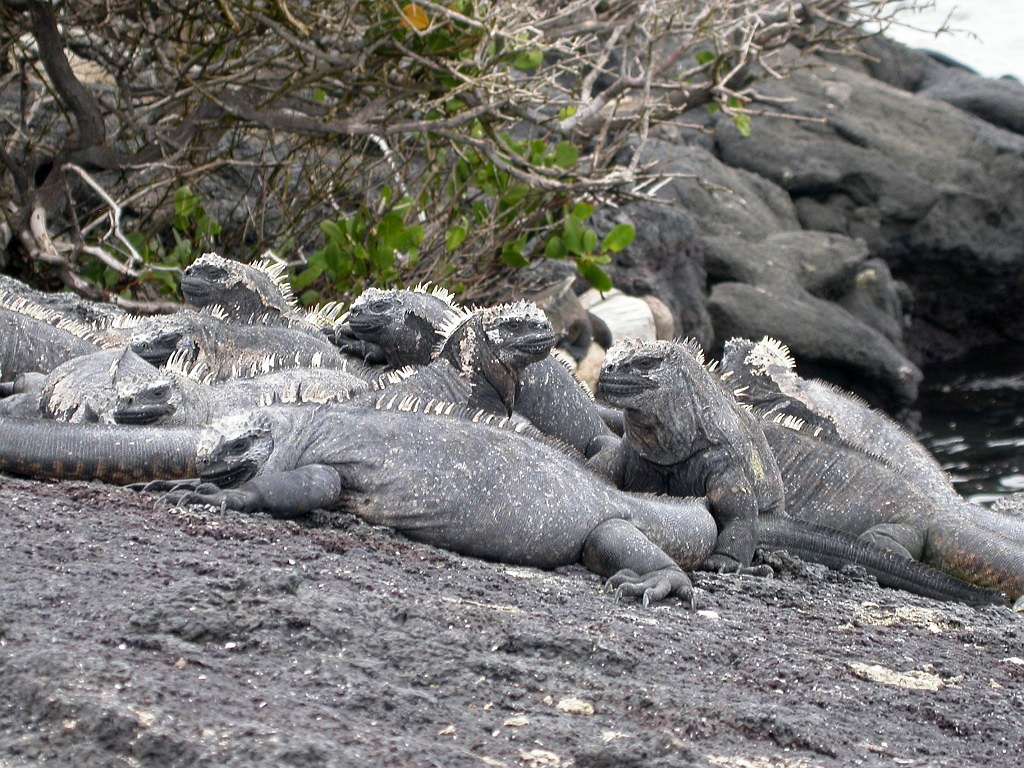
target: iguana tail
835 549
114 454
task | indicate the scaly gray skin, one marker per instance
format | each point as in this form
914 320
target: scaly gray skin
85 389
69 306
177 399
247 291
685 435
35 339
405 325
470 487
111 453
837 549
762 376
231 349
836 486
481 358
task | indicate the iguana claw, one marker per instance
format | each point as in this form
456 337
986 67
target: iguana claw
719 563
653 586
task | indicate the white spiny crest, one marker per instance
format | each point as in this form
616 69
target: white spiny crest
275 269
569 363
25 306
121 322
181 364
326 315
370 294
515 310
789 421
622 349
217 312
769 353
693 347
394 377
437 291
452 322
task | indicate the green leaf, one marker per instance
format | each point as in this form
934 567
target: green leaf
566 112
713 107
704 57
333 232
582 211
455 237
589 240
572 234
742 123
566 154
314 268
595 276
555 248
319 94
620 236
529 59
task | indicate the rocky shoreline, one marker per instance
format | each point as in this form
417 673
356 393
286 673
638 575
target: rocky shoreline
132 634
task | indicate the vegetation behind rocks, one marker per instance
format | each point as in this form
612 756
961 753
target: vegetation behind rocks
362 143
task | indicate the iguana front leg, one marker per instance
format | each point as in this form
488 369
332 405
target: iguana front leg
635 565
290 493
734 506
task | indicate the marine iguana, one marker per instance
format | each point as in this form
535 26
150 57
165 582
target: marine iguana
182 396
685 435
228 349
251 291
112 453
480 358
36 339
405 323
473 487
85 389
468 491
831 484
762 375
403 326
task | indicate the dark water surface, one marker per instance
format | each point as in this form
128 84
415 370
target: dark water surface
972 416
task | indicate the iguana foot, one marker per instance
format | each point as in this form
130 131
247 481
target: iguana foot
240 499
160 486
656 585
719 563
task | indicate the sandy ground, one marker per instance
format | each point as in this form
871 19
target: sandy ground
136 635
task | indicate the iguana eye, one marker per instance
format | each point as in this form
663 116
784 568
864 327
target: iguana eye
380 305
645 364
238 446
513 325
160 392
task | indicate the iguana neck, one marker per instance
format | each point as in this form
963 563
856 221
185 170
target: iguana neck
674 423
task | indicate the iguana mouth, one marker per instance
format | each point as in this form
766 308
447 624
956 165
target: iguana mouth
540 345
227 475
612 386
364 323
144 414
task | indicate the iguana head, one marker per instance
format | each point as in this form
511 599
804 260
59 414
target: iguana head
245 289
515 334
160 337
235 448
149 401
634 367
406 324
752 370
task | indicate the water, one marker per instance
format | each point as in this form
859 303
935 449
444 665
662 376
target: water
986 35
973 420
